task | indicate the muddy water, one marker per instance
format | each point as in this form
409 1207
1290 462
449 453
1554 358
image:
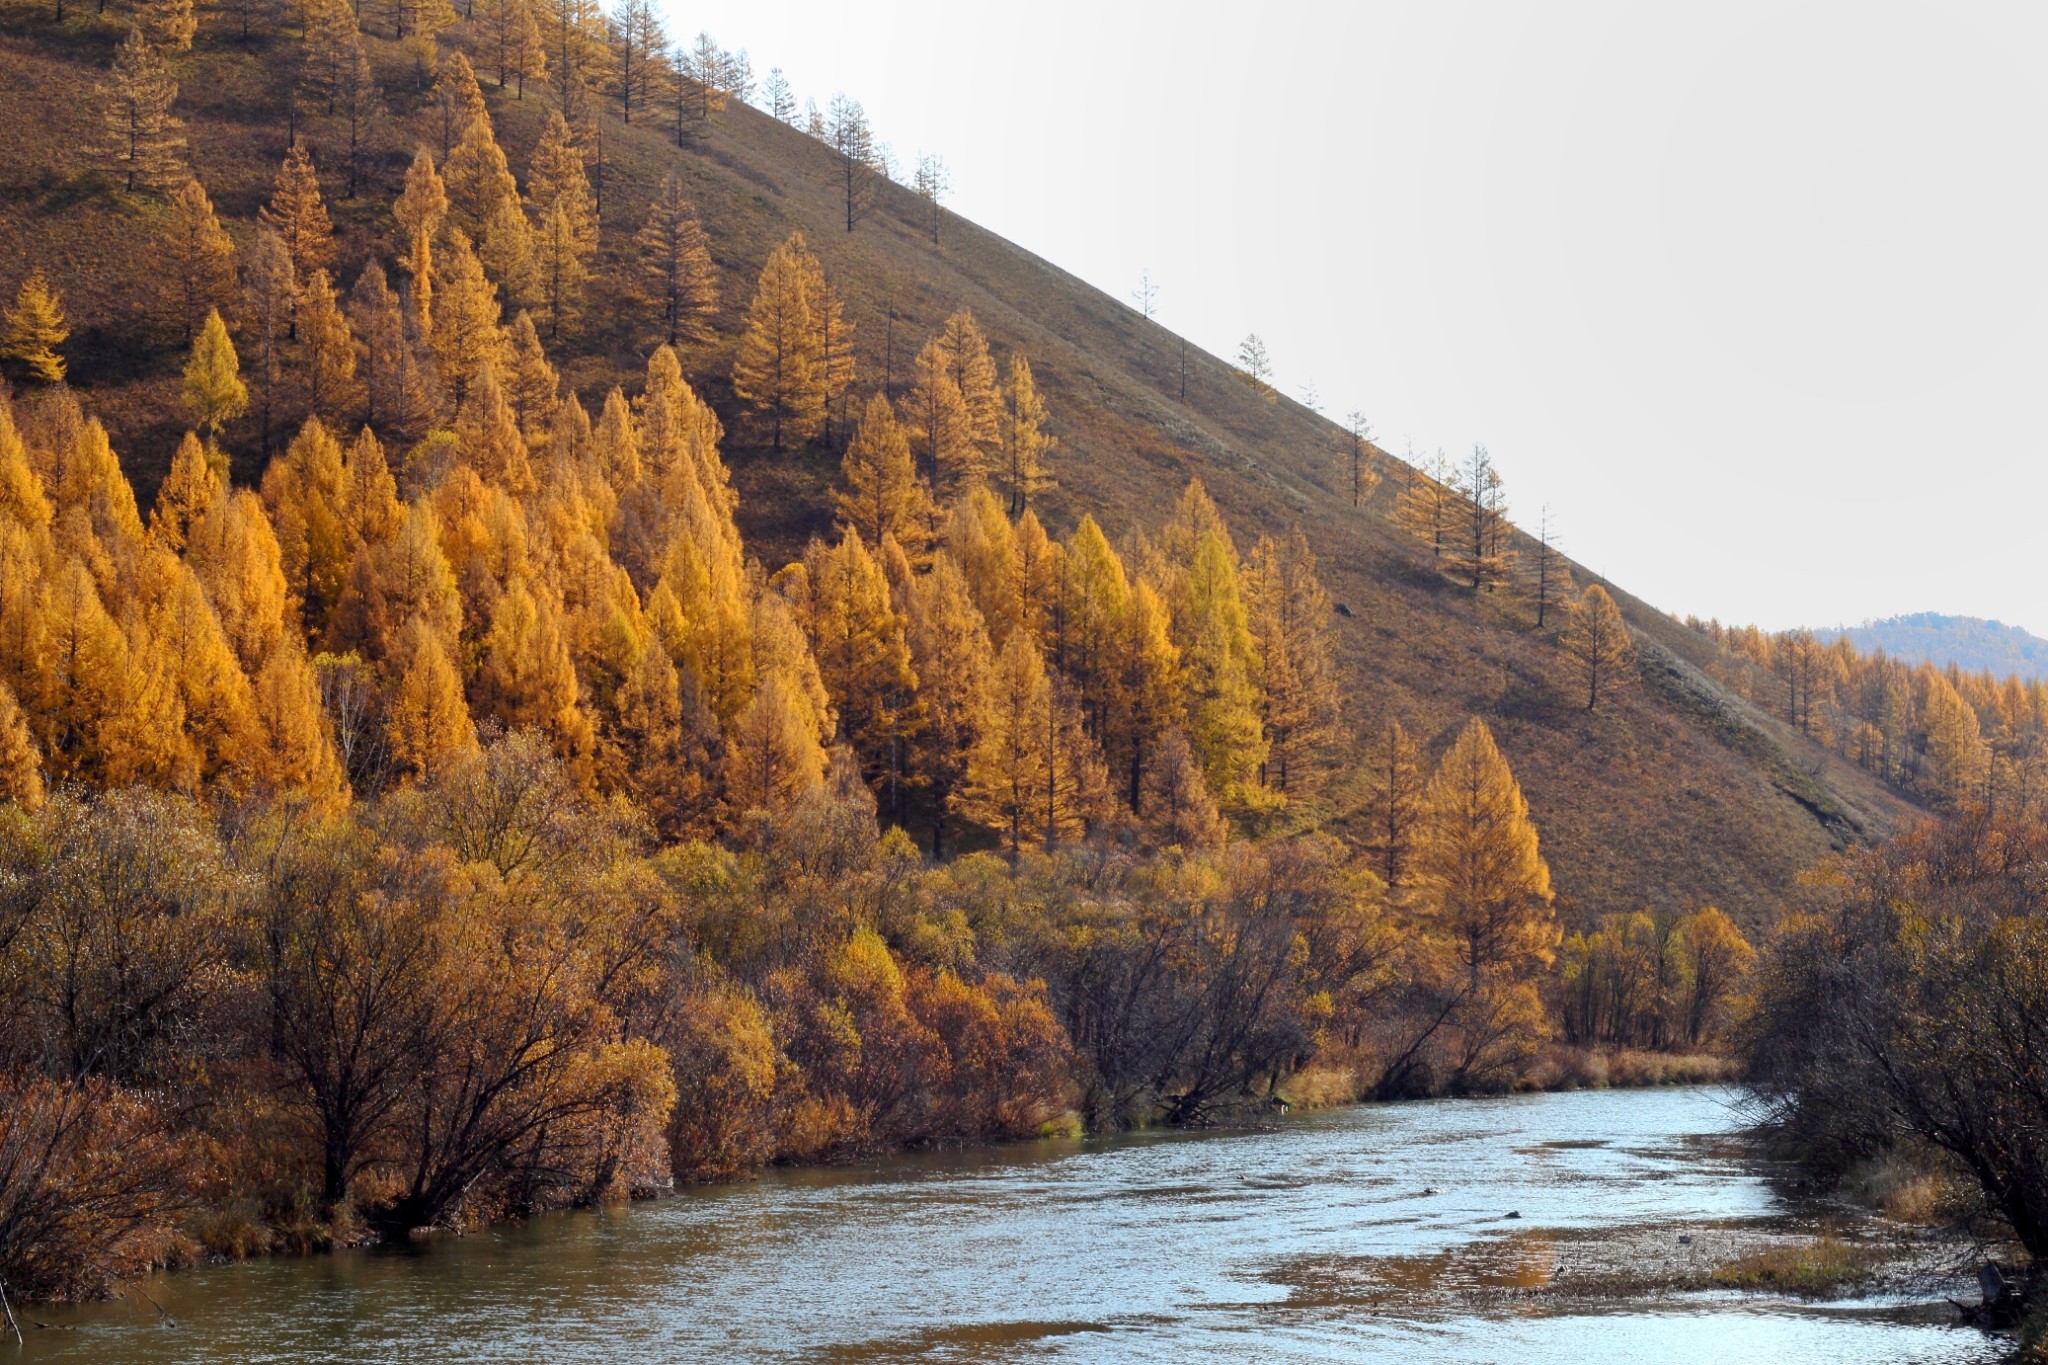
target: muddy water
1376 1233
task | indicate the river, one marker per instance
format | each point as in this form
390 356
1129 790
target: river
1374 1233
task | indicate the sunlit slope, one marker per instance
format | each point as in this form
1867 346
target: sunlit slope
1676 794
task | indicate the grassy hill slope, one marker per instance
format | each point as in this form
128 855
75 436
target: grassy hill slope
1679 794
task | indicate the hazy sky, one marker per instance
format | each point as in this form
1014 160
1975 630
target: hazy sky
1750 295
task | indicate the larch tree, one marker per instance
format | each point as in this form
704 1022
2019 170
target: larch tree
1396 804
430 725
1478 869
298 753
835 366
1009 767
213 390
1219 670
467 335
701 79
33 330
1364 478
558 178
421 208
1596 639
329 363
776 372
1547 578
1094 595
984 544
143 144
478 182
531 385
1256 367
931 184
359 109
638 51
857 638
21 763
677 275
851 138
949 649
964 350
1148 707
1289 610
883 498
573 33
1428 509
512 37
1479 551
941 429
333 36
1027 448
268 288
298 217
559 268
168 24
773 756
198 262
190 492
780 100
455 102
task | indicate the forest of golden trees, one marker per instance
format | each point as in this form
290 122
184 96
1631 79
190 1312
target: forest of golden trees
456 820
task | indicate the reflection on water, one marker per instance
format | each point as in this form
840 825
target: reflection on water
1376 1233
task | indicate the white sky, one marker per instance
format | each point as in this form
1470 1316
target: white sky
1749 294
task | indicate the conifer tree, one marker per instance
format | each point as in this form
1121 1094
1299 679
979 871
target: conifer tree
330 350
781 101
298 216
1177 803
1596 638
773 757
234 552
964 351
492 444
776 371
359 105
1255 367
532 386
143 144
884 498
397 390
1396 805
1428 506
638 55
571 31
455 101
198 263
1479 551
430 725
526 678
1289 610
1477 867
677 274
21 763
188 493
34 330
477 181
950 653
559 270
268 287
169 24
513 39
1549 579
941 429
1026 446
509 254
1364 478
857 638
466 334
1038 566
1147 707
931 183
557 178
1094 595
1219 670
984 544
420 209
1007 770
298 752
333 38
834 354
213 390
850 136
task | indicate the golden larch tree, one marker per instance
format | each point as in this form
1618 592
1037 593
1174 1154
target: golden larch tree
773 756
776 372
421 208
213 391
34 329
1597 640
1478 869
1395 805
857 638
1219 671
142 143
556 178
941 428
883 498
1026 446
430 725
455 101
168 24
298 216
950 652
1290 615
477 181
329 365
467 335
197 274
963 350
21 764
298 752
1428 506
835 364
677 275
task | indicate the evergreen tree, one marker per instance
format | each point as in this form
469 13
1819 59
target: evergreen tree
197 273
143 144
34 329
677 274
213 390
776 371
1596 638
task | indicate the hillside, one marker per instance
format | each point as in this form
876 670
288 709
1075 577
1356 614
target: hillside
1970 643
1679 794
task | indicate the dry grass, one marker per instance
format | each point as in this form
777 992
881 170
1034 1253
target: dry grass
1679 794
1826 1265
1580 1068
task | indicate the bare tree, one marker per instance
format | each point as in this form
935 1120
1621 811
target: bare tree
849 134
1256 366
1363 478
931 185
1146 294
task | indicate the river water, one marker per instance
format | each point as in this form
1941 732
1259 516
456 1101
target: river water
1375 1233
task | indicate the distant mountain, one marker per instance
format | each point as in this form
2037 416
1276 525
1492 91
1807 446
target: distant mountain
1969 642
